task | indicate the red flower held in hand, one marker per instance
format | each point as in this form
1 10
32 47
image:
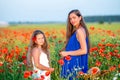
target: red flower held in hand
47 73
61 62
67 58
34 39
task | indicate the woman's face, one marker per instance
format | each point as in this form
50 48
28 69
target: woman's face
74 19
40 39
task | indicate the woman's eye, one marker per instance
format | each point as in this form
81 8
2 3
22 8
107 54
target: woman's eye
74 17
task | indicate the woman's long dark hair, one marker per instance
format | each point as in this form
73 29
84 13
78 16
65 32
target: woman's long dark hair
71 29
33 45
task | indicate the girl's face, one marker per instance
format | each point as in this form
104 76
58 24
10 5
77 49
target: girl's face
74 19
40 39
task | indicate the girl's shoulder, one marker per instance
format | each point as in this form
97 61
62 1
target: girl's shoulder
36 50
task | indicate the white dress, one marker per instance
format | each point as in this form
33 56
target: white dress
37 72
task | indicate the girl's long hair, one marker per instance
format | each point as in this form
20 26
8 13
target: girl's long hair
71 29
33 45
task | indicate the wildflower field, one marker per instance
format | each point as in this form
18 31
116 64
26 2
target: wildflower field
104 51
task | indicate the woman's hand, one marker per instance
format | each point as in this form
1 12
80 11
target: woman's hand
64 53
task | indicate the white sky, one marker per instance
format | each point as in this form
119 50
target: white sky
54 10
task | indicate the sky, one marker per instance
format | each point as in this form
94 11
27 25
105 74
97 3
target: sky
54 10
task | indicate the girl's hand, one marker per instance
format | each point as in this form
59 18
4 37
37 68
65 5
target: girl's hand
51 69
63 53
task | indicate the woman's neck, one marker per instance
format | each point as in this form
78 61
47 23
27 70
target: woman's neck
78 26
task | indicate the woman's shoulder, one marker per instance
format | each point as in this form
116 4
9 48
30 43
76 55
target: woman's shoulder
81 31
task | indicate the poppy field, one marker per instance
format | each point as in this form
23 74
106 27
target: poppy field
104 52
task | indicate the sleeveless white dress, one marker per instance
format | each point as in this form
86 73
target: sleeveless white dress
37 73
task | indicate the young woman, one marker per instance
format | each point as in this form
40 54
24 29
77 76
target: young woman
77 47
38 56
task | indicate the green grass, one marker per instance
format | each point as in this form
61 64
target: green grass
113 26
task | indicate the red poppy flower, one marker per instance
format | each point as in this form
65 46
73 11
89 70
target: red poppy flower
27 74
92 27
98 63
94 70
112 68
61 62
25 61
34 39
1 63
47 73
67 58
5 50
23 57
42 77
81 73
118 65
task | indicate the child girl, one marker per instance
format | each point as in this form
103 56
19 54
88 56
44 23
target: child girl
38 56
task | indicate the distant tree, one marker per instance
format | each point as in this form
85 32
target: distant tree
101 22
109 21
